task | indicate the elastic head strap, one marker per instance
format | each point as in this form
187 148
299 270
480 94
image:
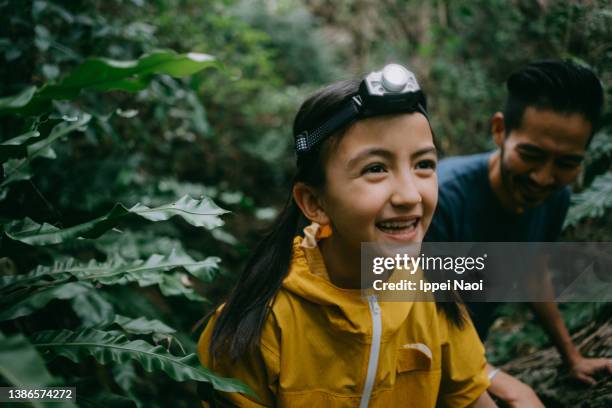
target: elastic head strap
305 141
350 112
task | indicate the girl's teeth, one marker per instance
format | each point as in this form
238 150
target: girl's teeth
397 225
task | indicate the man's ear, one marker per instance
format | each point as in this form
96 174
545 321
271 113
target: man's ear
498 129
309 201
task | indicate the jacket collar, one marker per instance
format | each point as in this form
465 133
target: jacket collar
345 309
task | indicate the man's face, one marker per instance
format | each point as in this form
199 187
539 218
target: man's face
543 155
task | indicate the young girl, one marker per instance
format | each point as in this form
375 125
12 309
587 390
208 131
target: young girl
296 329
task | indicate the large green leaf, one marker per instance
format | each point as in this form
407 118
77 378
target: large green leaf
201 213
112 272
14 170
105 75
33 301
107 348
22 366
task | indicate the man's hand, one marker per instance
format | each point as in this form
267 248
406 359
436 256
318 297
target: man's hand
582 369
513 392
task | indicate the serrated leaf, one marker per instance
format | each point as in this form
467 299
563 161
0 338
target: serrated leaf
201 213
107 348
113 272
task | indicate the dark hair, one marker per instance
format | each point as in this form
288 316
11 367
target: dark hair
560 86
241 320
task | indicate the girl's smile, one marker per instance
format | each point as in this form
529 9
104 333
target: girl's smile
400 228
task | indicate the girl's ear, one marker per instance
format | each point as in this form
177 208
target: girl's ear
309 201
498 128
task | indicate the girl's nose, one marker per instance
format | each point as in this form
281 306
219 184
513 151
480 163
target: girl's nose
406 192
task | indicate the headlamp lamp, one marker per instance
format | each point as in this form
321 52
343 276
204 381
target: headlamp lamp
394 89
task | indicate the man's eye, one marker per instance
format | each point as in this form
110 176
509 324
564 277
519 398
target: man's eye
530 156
567 164
426 164
375 168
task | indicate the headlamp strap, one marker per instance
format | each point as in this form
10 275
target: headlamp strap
349 113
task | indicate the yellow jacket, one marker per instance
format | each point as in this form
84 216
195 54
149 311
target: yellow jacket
323 346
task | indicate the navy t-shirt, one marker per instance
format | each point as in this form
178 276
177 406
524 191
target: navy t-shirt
469 211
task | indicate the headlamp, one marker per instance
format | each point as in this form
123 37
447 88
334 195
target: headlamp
394 89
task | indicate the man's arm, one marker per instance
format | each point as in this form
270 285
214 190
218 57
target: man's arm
548 314
581 368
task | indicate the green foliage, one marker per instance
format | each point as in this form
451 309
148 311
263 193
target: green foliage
201 213
70 304
592 203
106 348
106 75
591 207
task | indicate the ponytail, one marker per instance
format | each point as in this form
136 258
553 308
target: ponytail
238 327
242 318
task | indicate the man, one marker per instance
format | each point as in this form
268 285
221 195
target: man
519 192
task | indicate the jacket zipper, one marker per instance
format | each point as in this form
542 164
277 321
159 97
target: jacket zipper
374 351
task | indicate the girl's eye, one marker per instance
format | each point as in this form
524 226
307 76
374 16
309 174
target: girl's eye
374 168
426 164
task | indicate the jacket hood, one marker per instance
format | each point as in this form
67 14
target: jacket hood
345 309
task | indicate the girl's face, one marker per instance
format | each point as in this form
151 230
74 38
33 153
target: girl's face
381 184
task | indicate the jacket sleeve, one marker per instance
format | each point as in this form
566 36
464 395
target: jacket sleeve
257 369
464 374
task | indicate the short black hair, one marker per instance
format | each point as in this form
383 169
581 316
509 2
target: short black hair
557 85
